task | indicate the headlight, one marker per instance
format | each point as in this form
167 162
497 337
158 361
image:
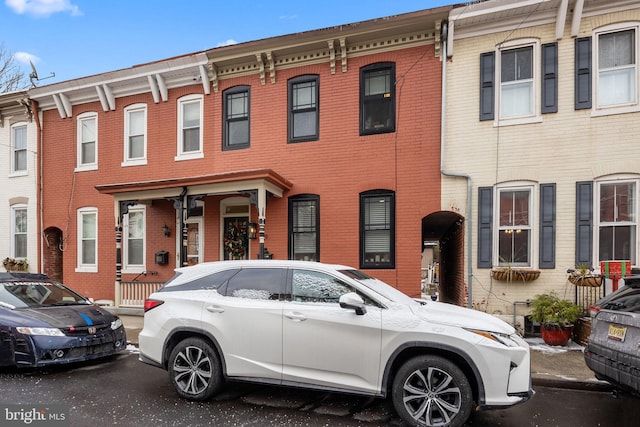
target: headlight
50 332
503 339
116 324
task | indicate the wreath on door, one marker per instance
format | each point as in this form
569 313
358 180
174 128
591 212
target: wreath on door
235 239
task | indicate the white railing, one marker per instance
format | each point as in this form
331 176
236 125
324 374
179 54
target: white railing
133 294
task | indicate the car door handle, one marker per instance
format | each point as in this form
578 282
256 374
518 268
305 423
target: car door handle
215 309
296 316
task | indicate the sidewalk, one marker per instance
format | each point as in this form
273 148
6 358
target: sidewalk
559 367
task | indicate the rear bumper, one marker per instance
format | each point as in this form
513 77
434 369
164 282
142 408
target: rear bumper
619 369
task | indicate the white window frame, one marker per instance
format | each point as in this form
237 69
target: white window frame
531 227
535 116
128 159
14 149
81 266
79 121
128 267
196 154
15 232
617 179
626 107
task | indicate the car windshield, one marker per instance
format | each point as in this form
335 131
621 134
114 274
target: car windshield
37 294
381 288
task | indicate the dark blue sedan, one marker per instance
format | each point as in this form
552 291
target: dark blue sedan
42 322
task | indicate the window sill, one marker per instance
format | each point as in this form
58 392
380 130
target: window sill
189 156
517 121
127 163
610 111
87 269
18 173
84 168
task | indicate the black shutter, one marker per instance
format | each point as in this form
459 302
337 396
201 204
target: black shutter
550 78
547 226
485 226
583 73
584 223
487 76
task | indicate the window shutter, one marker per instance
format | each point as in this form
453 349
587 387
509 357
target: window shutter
550 78
583 73
487 76
584 223
547 226
485 226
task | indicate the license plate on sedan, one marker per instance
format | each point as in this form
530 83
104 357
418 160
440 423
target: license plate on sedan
617 332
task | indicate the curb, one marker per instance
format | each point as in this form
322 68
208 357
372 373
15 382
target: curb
597 385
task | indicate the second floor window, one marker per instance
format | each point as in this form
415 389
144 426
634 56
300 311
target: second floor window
514 227
377 99
516 82
19 231
304 218
303 109
617 68
190 126
87 141
135 123
377 229
236 118
19 148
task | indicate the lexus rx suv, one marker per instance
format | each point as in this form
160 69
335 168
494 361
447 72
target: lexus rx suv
334 328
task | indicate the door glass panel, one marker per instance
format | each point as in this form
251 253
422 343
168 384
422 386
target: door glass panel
236 243
193 243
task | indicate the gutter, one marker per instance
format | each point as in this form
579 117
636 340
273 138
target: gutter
444 172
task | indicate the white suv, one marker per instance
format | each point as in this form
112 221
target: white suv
331 327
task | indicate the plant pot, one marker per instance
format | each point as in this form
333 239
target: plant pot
514 274
588 281
555 334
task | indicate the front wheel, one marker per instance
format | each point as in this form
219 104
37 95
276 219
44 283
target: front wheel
431 391
194 369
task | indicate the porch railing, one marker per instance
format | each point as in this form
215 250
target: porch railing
133 294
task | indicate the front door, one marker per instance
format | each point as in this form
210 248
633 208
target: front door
236 242
194 251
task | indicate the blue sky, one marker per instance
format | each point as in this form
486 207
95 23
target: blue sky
78 38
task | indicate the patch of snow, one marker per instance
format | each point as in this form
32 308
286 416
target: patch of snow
539 345
132 349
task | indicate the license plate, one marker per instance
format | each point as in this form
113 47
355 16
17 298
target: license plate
617 332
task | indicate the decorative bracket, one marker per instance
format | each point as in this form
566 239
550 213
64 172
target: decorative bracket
27 110
332 57
214 77
343 54
261 65
124 207
272 67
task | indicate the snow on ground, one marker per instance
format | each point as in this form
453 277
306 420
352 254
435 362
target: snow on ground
539 345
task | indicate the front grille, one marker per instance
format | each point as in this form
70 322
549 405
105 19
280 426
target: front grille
84 330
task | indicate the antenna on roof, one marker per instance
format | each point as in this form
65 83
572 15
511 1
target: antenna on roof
33 76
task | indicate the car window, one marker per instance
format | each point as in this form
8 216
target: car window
209 282
627 301
313 286
256 283
36 294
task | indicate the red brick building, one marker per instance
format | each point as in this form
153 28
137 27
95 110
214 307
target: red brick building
324 144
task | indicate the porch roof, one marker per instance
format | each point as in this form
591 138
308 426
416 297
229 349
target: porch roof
205 184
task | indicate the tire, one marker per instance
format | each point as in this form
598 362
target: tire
194 369
432 391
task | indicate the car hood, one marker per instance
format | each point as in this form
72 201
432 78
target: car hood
453 315
64 316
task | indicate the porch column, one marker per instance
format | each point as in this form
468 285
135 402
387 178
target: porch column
121 208
262 202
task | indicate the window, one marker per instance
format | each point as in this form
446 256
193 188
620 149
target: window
377 98
87 239
19 231
19 148
303 109
236 118
516 82
134 239
514 227
617 74
256 283
190 127
135 135
617 222
377 229
87 141
304 219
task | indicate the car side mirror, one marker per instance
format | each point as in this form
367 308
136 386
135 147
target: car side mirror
353 301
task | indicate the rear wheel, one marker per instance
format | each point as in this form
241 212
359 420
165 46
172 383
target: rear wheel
432 391
194 369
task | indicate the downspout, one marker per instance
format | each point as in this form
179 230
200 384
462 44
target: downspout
36 116
444 172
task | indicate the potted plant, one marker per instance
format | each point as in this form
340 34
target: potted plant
556 317
508 273
583 275
11 264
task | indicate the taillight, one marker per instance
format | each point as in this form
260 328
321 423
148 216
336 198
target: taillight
151 303
593 310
